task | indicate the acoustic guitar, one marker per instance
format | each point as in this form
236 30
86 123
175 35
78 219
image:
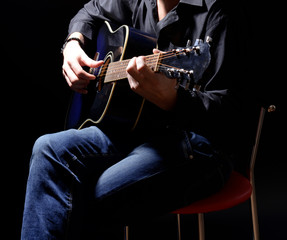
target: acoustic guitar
110 99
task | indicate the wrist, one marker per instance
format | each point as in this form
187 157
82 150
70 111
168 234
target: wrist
75 37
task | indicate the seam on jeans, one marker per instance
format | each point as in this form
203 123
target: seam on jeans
69 211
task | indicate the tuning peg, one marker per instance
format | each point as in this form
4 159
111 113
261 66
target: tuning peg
187 50
198 41
196 49
190 73
208 39
171 72
188 43
190 77
177 85
196 46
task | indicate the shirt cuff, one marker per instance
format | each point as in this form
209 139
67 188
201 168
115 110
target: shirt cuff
84 28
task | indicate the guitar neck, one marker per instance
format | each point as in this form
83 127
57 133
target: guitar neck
117 70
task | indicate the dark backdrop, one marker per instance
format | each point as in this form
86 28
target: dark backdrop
35 98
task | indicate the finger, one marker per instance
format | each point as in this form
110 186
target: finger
79 72
66 78
142 68
136 68
86 61
133 83
140 63
75 83
132 73
131 68
70 74
155 51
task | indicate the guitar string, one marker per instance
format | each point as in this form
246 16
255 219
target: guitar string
117 71
116 76
115 67
151 59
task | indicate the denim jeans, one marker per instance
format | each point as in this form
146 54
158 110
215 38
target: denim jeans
78 173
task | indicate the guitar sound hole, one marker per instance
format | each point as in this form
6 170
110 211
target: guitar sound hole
102 74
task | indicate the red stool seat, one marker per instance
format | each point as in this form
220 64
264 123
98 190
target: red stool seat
237 190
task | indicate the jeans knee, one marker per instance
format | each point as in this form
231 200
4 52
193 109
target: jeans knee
42 144
43 150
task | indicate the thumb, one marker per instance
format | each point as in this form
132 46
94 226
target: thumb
86 61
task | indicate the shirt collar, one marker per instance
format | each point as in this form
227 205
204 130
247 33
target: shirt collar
193 2
199 3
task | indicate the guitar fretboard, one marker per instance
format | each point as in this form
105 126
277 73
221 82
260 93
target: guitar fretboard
117 70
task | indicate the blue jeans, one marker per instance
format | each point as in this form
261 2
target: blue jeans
79 180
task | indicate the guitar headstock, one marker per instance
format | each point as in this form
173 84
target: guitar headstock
186 64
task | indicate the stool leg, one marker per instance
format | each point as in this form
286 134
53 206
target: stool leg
254 215
201 226
126 232
178 227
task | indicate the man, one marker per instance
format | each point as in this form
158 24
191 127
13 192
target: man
120 178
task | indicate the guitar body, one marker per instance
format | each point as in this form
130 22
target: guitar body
113 102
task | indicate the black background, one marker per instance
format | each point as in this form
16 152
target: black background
35 98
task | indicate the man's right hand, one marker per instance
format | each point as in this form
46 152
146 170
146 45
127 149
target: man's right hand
74 60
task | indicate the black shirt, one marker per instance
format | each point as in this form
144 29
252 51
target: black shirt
215 110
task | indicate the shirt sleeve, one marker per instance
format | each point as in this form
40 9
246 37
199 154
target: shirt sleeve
88 20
